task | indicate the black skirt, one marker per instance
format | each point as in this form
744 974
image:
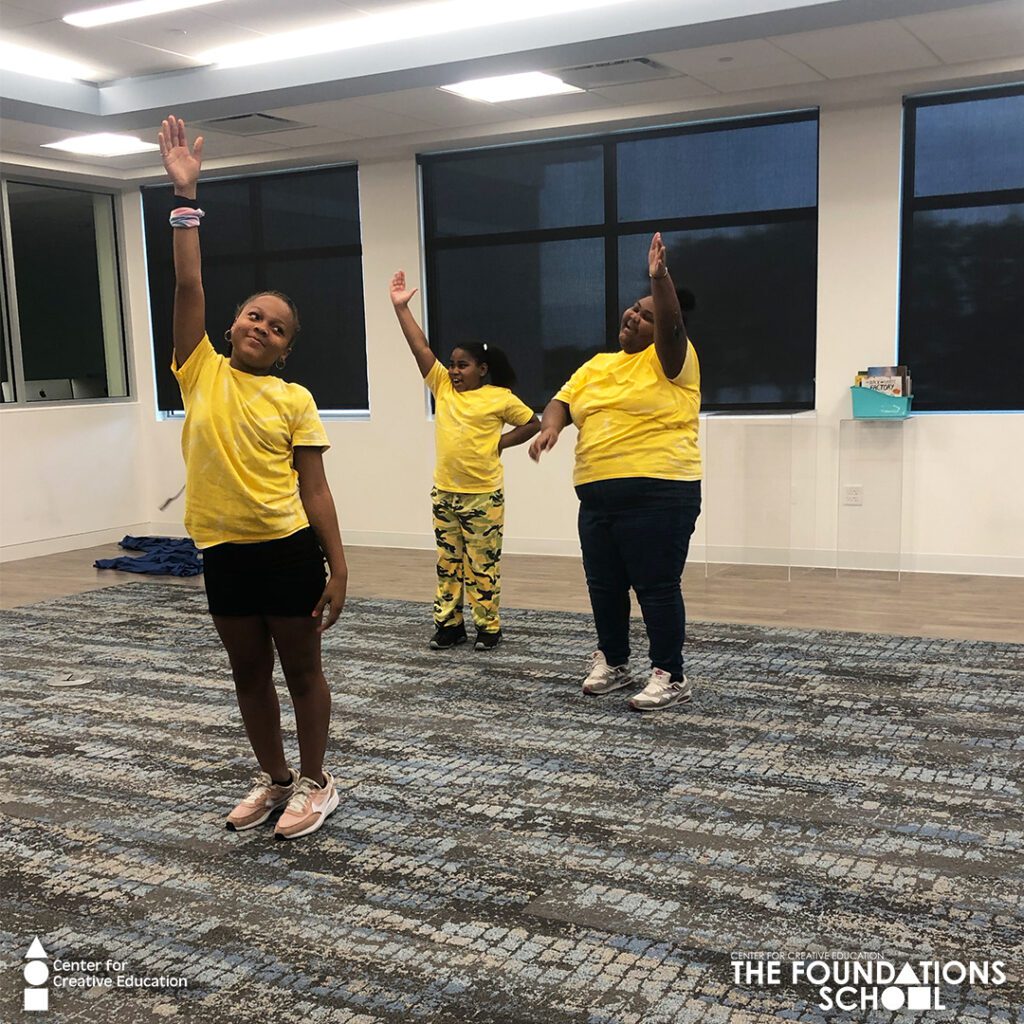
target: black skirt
274 577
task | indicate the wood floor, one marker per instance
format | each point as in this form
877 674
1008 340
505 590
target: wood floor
917 604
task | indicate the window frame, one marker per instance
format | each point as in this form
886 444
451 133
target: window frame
910 205
9 295
258 261
611 229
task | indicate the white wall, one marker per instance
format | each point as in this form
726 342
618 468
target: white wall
771 485
71 477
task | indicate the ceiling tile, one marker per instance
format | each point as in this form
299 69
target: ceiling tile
546 106
752 53
53 8
271 16
355 118
27 139
18 136
376 6
296 138
112 57
220 144
21 137
186 32
869 49
660 91
15 17
987 31
747 79
441 108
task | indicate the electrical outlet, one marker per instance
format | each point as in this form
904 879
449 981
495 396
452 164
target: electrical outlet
853 494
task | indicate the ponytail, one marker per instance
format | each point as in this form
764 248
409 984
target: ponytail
499 369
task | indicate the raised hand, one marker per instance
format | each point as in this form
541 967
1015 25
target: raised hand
657 264
181 163
400 295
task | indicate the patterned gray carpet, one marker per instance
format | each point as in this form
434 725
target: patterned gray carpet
507 851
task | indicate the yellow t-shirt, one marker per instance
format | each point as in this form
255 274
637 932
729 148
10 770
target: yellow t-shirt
239 434
634 421
467 427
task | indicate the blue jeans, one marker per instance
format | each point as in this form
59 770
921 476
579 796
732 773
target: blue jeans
635 532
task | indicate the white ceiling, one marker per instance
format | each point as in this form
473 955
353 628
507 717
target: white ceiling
799 53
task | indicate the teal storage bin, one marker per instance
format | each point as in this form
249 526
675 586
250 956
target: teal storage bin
869 404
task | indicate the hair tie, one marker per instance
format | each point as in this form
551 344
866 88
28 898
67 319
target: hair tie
186 217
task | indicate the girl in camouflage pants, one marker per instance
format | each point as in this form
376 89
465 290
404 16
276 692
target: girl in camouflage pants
473 404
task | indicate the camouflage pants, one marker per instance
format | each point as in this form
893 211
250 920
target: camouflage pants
468 529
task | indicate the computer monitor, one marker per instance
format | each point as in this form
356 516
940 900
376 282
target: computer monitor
55 390
88 387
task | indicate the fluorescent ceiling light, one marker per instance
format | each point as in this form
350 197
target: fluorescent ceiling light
103 144
511 87
127 12
29 61
425 19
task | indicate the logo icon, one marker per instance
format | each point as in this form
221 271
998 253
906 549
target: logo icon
37 973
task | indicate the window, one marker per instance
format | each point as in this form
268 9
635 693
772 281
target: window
297 233
68 343
537 248
963 250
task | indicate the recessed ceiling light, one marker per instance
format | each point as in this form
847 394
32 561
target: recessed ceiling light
129 11
103 144
503 88
29 61
407 22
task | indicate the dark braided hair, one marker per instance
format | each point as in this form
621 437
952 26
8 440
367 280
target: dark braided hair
499 369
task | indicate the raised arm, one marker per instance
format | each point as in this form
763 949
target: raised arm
400 296
554 420
669 331
182 165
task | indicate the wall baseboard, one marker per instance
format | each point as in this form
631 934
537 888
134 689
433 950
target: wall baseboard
73 542
954 564
425 542
971 565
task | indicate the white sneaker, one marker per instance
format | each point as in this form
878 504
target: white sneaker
604 678
660 692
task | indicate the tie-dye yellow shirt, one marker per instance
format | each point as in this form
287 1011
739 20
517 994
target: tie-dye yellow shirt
238 440
634 421
467 429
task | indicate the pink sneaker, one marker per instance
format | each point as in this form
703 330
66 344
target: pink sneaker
260 802
308 808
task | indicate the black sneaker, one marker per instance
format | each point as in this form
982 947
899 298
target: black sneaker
448 636
487 641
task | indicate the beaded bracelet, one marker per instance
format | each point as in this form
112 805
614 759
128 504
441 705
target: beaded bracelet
186 217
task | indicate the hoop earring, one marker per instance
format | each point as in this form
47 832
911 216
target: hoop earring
280 362
227 334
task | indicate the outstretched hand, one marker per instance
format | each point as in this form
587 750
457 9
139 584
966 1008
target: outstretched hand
657 262
400 295
181 163
543 442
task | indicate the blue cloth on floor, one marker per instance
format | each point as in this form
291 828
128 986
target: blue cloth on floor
165 556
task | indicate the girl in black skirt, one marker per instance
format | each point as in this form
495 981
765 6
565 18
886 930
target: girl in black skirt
258 505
